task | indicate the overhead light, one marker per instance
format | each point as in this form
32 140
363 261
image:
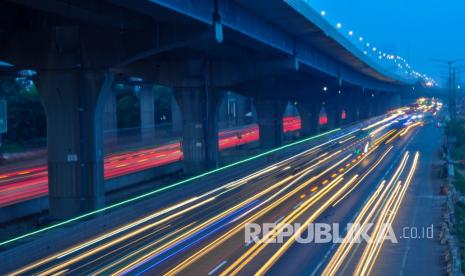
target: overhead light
27 72
323 13
135 79
5 64
338 25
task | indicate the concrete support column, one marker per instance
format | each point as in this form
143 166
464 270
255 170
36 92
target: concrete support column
74 96
176 116
380 104
396 101
309 118
353 112
74 101
199 128
147 114
368 106
110 120
333 106
353 105
270 122
242 105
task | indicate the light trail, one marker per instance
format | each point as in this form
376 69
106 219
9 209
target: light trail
255 206
383 204
304 226
366 264
234 184
364 176
182 182
22 185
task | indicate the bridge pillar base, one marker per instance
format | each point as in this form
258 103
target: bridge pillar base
74 92
334 111
199 128
74 100
270 122
309 118
353 113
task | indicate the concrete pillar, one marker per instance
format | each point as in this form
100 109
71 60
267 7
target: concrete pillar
270 122
242 105
200 128
110 120
74 101
396 101
352 99
223 116
380 104
74 95
368 106
147 114
176 116
333 108
309 118
352 112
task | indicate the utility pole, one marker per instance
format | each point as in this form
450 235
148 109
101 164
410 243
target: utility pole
451 84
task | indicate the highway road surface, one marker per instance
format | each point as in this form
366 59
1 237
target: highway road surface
359 176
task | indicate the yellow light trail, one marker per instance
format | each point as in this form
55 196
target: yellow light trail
345 247
239 263
208 248
304 226
242 261
381 122
367 265
364 175
345 140
352 235
109 244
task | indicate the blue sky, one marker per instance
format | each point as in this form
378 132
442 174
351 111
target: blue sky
415 29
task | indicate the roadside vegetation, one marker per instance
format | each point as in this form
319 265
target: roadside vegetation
456 128
27 121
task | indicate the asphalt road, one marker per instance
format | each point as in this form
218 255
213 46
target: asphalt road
362 176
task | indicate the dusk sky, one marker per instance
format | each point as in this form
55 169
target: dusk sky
415 29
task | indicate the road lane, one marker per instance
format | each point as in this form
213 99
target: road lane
156 243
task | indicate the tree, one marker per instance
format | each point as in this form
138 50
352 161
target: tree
26 115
